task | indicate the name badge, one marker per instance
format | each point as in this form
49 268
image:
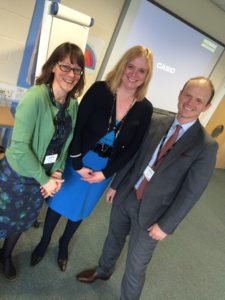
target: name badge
148 173
49 159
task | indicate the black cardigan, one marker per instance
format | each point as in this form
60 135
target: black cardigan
93 121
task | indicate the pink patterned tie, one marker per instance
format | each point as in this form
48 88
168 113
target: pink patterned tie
168 145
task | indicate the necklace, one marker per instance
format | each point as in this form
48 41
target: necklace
117 128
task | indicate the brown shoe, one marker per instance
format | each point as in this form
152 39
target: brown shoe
89 276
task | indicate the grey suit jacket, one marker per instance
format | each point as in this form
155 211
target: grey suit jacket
179 181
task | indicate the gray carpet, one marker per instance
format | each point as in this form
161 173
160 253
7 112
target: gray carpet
190 265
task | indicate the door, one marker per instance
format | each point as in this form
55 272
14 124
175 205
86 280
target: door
216 128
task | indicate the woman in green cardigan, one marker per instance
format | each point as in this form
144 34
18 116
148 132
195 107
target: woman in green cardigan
44 123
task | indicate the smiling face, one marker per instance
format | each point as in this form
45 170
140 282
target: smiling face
193 100
64 82
135 73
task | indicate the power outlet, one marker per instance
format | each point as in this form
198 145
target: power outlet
19 92
5 93
10 92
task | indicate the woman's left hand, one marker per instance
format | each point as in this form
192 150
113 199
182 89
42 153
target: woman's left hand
97 176
58 175
51 187
44 193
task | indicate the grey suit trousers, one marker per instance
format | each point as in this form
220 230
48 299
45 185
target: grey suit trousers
124 220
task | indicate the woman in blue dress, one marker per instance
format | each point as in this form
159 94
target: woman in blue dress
112 119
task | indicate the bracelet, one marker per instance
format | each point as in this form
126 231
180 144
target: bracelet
76 155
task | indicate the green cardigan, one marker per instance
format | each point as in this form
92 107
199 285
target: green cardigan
33 131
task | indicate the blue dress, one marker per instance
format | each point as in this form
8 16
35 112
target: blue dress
76 199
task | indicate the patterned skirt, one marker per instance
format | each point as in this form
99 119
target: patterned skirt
20 201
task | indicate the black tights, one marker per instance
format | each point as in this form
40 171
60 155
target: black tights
51 221
9 245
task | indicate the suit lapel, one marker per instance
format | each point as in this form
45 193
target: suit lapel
158 129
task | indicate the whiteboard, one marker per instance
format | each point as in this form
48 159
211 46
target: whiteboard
61 24
66 31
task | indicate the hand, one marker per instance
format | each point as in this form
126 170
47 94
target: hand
95 177
110 195
85 173
44 193
156 232
58 175
50 188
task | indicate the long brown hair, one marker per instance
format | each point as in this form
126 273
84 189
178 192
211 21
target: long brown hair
63 50
113 79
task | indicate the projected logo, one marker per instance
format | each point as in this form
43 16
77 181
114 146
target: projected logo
165 68
90 58
209 45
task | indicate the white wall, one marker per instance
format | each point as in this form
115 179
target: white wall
15 18
106 14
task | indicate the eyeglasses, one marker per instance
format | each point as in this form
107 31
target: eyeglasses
67 69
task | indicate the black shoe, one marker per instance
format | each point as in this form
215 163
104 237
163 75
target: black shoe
38 253
9 269
34 260
62 263
1 255
62 256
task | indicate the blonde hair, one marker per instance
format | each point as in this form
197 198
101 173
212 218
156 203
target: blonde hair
114 77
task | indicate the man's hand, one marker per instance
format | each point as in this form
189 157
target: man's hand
156 232
110 195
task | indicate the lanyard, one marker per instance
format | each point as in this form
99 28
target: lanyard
112 121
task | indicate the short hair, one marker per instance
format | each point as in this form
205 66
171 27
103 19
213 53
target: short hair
60 53
210 84
114 77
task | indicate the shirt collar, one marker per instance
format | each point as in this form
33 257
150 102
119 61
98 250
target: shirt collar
185 126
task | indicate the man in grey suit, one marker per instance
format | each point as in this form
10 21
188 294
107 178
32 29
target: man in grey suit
172 188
